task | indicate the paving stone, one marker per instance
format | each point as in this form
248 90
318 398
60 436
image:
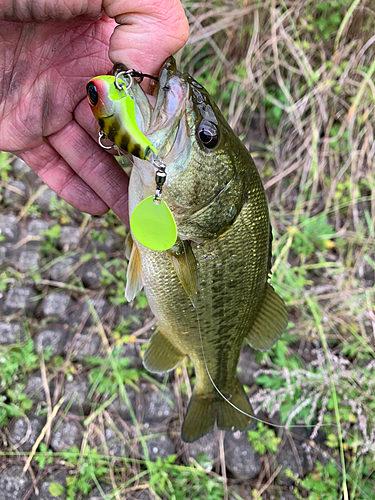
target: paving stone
44 493
101 306
55 338
15 196
91 274
27 427
109 242
20 298
63 269
11 333
159 405
207 446
9 227
28 259
117 445
118 406
79 312
288 460
159 445
283 495
240 457
36 227
3 253
68 434
44 199
247 366
56 304
14 483
34 388
85 345
19 167
75 393
144 495
96 495
131 352
70 236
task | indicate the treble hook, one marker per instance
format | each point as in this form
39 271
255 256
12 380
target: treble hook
102 137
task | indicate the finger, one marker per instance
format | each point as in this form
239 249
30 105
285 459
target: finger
84 117
42 12
149 32
58 175
95 167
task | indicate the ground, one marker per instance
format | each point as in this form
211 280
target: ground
78 411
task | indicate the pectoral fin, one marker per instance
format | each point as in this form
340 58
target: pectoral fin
161 355
270 322
185 265
128 245
134 280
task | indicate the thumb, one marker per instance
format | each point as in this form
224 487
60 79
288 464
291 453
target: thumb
149 31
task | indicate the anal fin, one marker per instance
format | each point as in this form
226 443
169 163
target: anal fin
185 265
134 280
161 355
271 321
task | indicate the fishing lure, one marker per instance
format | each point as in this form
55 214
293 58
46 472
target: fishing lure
152 222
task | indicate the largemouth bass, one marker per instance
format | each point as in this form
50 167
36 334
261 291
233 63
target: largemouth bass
209 291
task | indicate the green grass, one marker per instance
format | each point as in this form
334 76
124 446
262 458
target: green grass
293 73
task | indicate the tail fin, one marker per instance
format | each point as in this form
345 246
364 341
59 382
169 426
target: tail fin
204 410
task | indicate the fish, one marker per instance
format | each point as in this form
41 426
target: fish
210 291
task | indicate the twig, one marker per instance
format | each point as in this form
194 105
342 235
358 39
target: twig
222 464
274 475
42 433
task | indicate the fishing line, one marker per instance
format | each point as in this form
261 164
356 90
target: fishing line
279 426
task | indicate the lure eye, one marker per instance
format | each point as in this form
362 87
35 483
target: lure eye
207 134
92 93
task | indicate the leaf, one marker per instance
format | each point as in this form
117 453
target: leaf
56 489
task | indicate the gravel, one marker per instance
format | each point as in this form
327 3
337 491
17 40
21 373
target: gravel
20 299
56 304
240 457
11 333
68 434
13 483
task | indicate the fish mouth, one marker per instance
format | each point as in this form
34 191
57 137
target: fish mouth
166 128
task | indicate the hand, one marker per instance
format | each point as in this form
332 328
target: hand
49 50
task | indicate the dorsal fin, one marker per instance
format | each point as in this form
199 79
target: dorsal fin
271 321
134 280
185 265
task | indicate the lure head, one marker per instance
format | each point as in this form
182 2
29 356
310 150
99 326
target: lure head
101 95
114 110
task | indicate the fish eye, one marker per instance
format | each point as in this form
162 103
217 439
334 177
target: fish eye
207 134
92 93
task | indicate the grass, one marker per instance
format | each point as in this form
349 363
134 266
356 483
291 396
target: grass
295 80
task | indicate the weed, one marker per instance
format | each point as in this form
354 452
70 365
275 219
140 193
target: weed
89 466
16 361
51 239
263 439
171 481
105 379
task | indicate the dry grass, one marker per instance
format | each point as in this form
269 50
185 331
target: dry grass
297 85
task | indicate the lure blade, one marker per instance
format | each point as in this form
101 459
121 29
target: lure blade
153 225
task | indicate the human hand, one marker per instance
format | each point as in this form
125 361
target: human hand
49 50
